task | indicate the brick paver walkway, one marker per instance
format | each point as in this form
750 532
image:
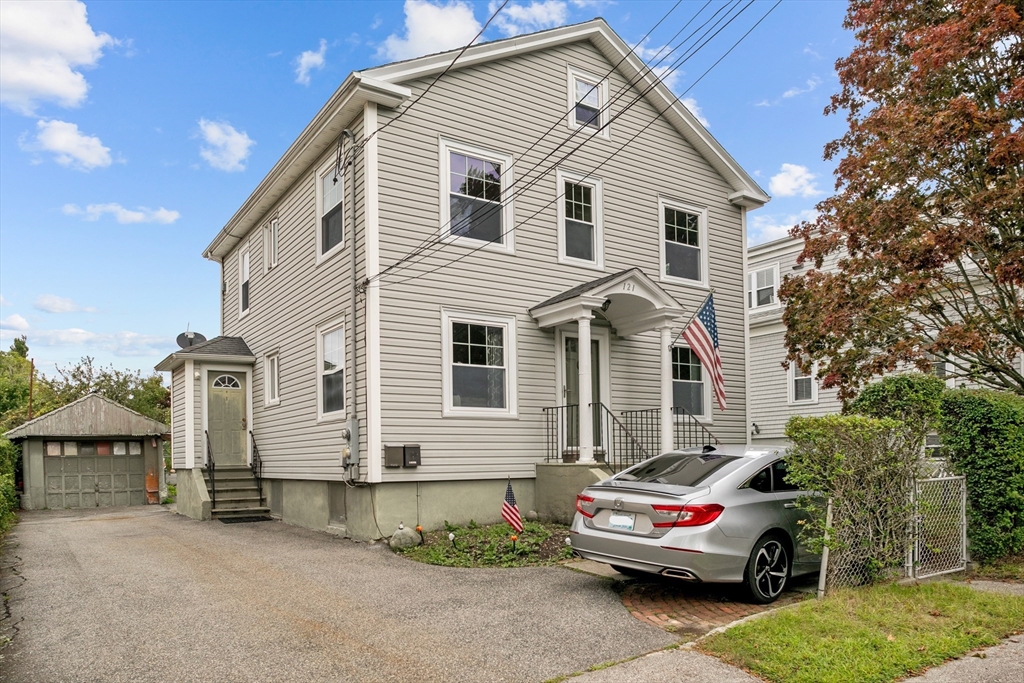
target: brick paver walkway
687 608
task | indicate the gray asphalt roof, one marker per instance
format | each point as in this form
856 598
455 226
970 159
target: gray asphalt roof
581 289
222 346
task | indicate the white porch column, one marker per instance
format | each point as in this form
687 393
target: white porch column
586 393
667 418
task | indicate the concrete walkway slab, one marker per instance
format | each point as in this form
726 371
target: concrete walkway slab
669 666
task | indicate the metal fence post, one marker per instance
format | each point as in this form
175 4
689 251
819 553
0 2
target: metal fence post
824 552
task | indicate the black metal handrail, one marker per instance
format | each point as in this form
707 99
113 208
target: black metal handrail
210 468
257 466
687 431
561 429
622 449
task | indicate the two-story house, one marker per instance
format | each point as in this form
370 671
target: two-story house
421 293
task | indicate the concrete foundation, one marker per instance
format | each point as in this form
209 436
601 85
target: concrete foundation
558 484
193 499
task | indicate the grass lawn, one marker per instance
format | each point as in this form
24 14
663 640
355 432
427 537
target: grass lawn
869 635
491 546
1007 569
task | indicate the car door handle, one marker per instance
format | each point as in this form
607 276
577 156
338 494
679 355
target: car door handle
789 505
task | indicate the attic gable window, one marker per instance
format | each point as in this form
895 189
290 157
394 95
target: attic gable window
588 101
473 182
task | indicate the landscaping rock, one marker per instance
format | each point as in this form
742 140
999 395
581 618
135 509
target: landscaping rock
405 538
531 516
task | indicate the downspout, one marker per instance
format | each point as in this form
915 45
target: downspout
353 457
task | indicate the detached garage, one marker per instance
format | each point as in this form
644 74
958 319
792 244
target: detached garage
91 453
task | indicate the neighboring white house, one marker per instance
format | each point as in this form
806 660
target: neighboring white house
415 395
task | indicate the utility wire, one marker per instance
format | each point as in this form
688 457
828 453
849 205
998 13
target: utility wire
610 156
441 237
441 242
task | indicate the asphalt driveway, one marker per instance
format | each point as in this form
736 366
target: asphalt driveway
140 594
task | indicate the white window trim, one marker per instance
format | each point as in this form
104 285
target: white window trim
751 285
244 253
318 182
702 215
507 178
511 409
708 417
267 400
597 186
321 330
572 73
791 388
271 234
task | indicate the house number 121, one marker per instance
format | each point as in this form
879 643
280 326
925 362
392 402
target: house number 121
628 286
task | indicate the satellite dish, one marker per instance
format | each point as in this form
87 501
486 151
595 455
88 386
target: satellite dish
187 339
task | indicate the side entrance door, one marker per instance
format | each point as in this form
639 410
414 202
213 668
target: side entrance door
226 417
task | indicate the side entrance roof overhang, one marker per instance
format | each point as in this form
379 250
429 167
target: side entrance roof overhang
219 349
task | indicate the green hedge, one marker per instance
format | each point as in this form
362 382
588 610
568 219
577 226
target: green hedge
913 398
8 502
983 436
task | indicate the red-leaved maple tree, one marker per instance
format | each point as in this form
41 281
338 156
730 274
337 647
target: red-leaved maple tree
924 236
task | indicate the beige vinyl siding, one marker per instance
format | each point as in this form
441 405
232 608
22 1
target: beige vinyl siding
286 306
178 387
503 107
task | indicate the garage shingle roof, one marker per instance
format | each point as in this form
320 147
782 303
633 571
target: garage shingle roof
91 415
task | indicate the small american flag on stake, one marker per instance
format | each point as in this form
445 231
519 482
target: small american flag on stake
509 509
702 336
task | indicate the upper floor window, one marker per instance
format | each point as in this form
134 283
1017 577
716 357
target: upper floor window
803 388
473 184
331 370
588 99
763 286
479 364
243 282
271 379
270 245
580 235
330 211
684 244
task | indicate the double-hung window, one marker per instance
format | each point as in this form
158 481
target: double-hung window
330 211
580 236
803 388
331 370
689 389
479 364
472 186
243 282
270 245
684 244
272 379
588 99
763 287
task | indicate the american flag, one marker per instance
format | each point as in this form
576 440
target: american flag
702 336
509 509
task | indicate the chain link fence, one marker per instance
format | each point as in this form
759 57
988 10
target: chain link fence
940 521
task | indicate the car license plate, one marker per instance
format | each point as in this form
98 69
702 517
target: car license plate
621 520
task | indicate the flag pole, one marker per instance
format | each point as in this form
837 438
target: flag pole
695 312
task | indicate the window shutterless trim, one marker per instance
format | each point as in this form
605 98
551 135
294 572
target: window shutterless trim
702 224
318 177
269 359
597 187
244 282
705 379
791 386
271 244
752 288
572 73
445 147
321 331
511 409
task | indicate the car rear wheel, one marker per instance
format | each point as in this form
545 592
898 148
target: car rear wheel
767 569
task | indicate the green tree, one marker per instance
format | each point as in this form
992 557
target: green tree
927 223
146 395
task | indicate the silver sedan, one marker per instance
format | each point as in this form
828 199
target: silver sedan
722 514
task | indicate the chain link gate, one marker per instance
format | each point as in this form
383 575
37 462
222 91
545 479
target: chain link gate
940 527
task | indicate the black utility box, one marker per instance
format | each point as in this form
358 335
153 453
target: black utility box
412 455
394 456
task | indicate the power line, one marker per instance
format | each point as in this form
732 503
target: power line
609 157
441 237
440 241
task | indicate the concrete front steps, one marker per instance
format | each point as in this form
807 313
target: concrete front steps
236 494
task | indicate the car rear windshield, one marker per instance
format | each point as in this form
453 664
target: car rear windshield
679 469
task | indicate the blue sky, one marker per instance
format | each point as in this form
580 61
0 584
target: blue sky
130 132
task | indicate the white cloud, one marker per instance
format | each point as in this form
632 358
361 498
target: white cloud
812 83
793 180
41 46
51 303
431 28
765 228
694 108
309 60
812 52
227 148
537 16
14 322
70 146
140 214
117 343
3 301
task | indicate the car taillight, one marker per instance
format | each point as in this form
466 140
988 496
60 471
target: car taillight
689 515
582 501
